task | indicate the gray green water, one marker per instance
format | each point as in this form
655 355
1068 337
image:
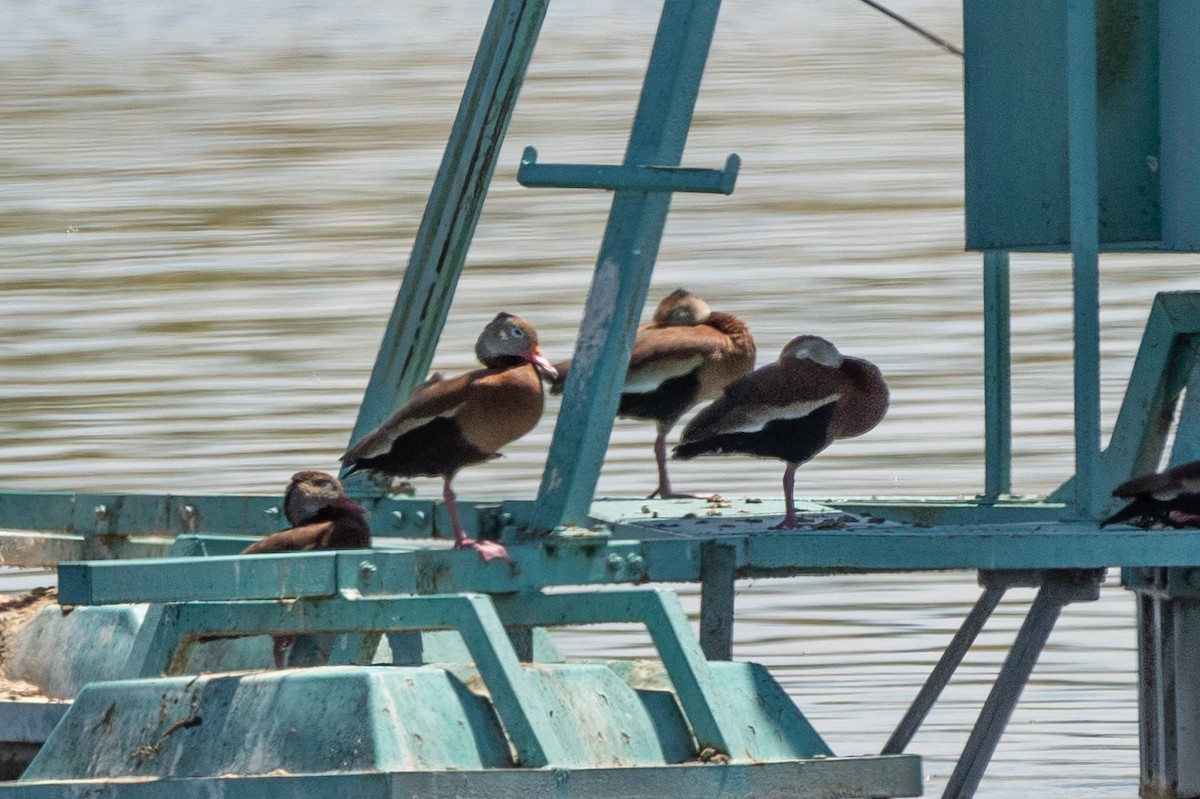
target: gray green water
206 208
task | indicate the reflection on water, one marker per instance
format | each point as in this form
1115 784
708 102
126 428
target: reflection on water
207 208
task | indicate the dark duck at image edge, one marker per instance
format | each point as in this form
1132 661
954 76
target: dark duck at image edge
791 410
684 356
322 517
460 421
1170 498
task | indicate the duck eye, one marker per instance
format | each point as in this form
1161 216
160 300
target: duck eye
517 332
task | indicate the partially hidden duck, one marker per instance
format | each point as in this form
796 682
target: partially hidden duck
322 517
684 356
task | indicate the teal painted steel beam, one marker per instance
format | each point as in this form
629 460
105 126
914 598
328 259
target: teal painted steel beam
624 267
718 573
833 776
164 579
1083 174
367 572
767 553
455 203
1059 589
1164 364
944 669
997 376
639 178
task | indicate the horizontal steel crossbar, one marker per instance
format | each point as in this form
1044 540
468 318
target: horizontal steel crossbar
610 561
638 178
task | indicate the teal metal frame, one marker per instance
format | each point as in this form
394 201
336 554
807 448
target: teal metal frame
626 260
1054 544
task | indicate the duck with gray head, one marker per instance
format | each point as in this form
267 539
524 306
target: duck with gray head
790 410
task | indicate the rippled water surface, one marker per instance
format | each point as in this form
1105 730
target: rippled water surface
206 209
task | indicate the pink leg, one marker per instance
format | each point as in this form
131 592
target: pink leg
486 549
789 499
664 480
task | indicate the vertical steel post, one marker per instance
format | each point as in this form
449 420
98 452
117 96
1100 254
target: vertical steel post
718 572
1083 168
997 376
455 202
1168 604
624 266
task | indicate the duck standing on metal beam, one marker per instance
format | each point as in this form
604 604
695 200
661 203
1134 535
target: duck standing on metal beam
322 517
449 424
791 410
1168 499
686 355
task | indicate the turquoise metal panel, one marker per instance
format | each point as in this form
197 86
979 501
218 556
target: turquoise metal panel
997 376
1018 72
455 203
623 267
771 724
302 722
640 178
1015 107
1179 110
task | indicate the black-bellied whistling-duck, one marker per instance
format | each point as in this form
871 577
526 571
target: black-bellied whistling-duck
449 424
791 410
322 517
1170 498
686 355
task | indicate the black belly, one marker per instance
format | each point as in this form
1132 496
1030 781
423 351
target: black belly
434 449
664 404
791 440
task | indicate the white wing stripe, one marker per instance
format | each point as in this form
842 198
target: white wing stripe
756 419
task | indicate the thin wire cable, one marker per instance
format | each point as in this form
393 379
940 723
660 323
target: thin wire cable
914 27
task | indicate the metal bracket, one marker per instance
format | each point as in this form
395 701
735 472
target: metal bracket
169 633
1057 588
639 178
